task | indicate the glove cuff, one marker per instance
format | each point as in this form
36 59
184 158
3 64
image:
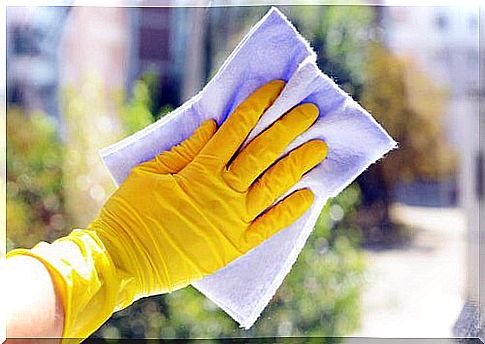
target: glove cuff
86 279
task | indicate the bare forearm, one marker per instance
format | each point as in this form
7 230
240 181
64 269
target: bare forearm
33 307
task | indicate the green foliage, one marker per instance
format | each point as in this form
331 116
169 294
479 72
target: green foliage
34 179
136 113
320 296
140 110
340 36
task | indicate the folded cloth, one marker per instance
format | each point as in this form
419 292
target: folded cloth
272 49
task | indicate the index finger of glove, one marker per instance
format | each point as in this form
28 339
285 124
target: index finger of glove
232 133
181 155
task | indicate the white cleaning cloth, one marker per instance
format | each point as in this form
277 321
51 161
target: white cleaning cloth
273 49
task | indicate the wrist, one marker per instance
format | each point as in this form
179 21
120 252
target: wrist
131 250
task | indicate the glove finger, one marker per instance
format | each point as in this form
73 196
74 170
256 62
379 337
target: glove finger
284 175
237 127
179 156
277 218
267 147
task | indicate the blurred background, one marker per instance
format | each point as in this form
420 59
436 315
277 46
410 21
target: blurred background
395 255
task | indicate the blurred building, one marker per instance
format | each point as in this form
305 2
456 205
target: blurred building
32 63
34 37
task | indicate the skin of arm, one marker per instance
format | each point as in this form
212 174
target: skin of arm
26 308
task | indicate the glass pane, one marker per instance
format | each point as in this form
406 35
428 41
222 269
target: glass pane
388 256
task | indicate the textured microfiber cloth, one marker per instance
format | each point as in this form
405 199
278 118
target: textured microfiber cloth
272 49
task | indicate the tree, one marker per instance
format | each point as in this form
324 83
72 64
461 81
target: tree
411 107
340 36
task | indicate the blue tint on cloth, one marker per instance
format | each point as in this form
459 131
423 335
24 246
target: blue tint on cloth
273 49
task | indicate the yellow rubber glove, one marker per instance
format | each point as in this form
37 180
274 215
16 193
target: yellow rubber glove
185 214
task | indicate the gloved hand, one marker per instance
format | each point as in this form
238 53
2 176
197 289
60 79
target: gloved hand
185 214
